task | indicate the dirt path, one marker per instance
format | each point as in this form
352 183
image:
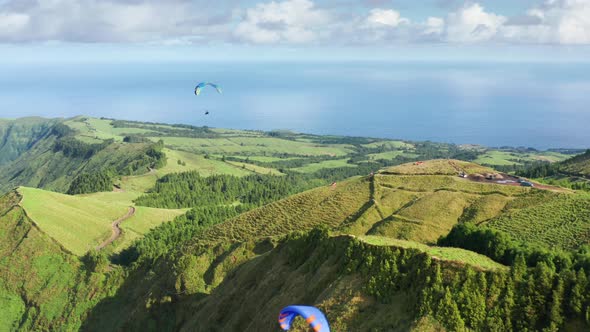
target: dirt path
116 229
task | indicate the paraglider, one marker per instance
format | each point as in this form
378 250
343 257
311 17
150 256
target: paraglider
201 85
313 316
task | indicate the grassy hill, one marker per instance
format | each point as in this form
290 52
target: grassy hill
270 282
42 287
363 250
578 165
258 261
81 223
45 166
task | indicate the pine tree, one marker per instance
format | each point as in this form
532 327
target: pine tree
519 268
449 314
556 311
577 294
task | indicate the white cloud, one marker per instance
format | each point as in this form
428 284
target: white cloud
102 20
12 24
434 26
386 17
180 22
472 23
291 21
570 18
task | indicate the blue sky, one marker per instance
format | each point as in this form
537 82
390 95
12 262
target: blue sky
156 30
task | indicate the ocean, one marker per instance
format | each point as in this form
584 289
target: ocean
540 105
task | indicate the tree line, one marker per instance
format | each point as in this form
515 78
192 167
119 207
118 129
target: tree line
460 297
74 148
502 248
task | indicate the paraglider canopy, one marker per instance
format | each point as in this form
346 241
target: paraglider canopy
201 85
313 316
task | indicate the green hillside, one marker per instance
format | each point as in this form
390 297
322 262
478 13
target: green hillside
16 136
578 165
571 173
42 287
221 228
81 223
55 161
361 284
50 154
236 264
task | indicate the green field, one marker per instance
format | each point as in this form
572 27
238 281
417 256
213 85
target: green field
505 158
80 223
265 159
391 155
77 223
252 145
397 145
199 163
90 129
314 167
243 166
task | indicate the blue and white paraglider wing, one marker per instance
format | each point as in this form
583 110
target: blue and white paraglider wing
202 85
313 316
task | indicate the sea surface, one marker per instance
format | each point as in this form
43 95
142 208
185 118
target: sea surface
541 105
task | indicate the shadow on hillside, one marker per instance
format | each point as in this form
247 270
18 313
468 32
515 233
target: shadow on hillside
145 301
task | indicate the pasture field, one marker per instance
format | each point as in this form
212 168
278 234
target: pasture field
243 166
77 223
507 158
438 167
252 145
314 167
265 159
80 223
391 155
446 254
398 145
199 163
498 158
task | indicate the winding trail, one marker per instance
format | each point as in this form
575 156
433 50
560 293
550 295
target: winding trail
116 229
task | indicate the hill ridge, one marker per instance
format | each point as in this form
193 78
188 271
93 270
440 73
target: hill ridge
32 221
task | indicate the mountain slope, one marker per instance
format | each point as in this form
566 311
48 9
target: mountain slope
56 159
578 165
42 287
18 136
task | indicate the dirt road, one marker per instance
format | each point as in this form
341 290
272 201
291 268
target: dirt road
510 180
116 229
